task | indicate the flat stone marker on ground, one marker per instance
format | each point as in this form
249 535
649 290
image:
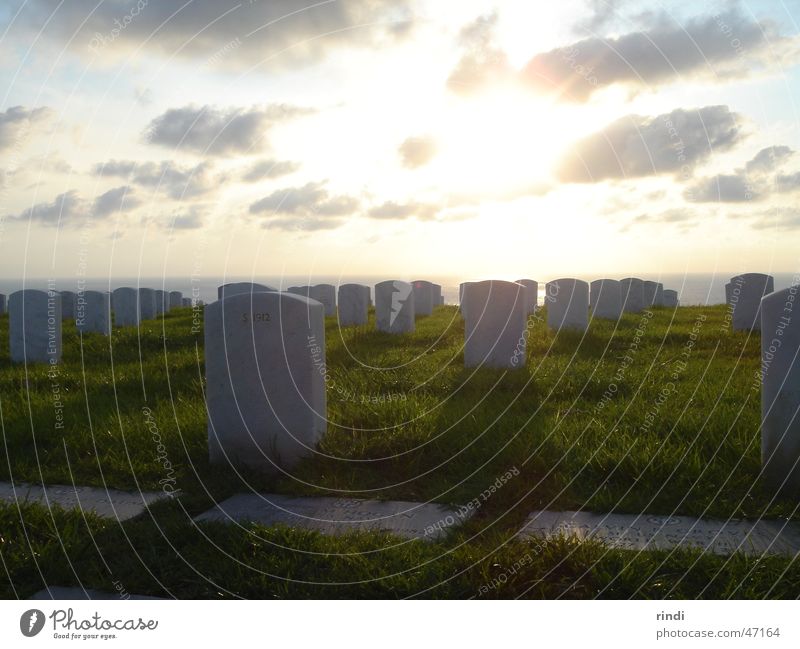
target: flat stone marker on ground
126 306
337 516
147 304
780 389
394 307
632 289
175 299
646 532
325 294
34 326
265 372
353 305
74 592
606 299
532 296
237 288
68 304
93 312
423 297
746 293
567 304
670 298
494 324
108 503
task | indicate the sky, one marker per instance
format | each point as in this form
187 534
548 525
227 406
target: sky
398 138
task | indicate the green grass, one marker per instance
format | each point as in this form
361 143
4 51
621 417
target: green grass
406 421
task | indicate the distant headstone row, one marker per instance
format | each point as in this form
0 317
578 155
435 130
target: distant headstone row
36 317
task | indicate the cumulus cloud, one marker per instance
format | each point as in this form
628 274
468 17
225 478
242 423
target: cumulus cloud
769 159
264 169
483 61
722 188
119 199
273 33
417 151
787 182
636 146
176 181
391 210
310 207
17 122
218 131
778 218
719 47
63 210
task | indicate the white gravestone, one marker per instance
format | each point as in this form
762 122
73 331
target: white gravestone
659 299
780 389
423 297
461 305
746 293
34 326
93 312
237 288
394 307
532 293
670 298
147 304
632 289
68 299
606 299
653 293
2 304
567 302
126 307
160 298
353 305
494 326
325 294
438 300
265 371
175 299
186 302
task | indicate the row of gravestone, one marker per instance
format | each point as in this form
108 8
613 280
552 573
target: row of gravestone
35 317
266 370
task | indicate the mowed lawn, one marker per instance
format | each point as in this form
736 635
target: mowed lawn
657 413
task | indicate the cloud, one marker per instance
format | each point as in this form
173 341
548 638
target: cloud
769 159
218 131
636 146
190 219
599 14
176 181
391 210
269 169
723 188
119 199
311 207
778 218
417 151
17 122
64 209
482 61
719 47
273 33
787 182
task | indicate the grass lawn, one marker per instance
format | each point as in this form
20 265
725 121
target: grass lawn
658 413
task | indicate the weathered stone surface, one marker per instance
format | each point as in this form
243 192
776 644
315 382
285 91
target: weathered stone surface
746 292
653 293
437 295
265 369
780 389
325 294
237 288
175 299
126 306
646 532
147 304
606 299
532 295
423 297
338 516
353 305
670 298
68 304
567 301
161 301
34 326
494 324
632 289
108 503
394 307
93 312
